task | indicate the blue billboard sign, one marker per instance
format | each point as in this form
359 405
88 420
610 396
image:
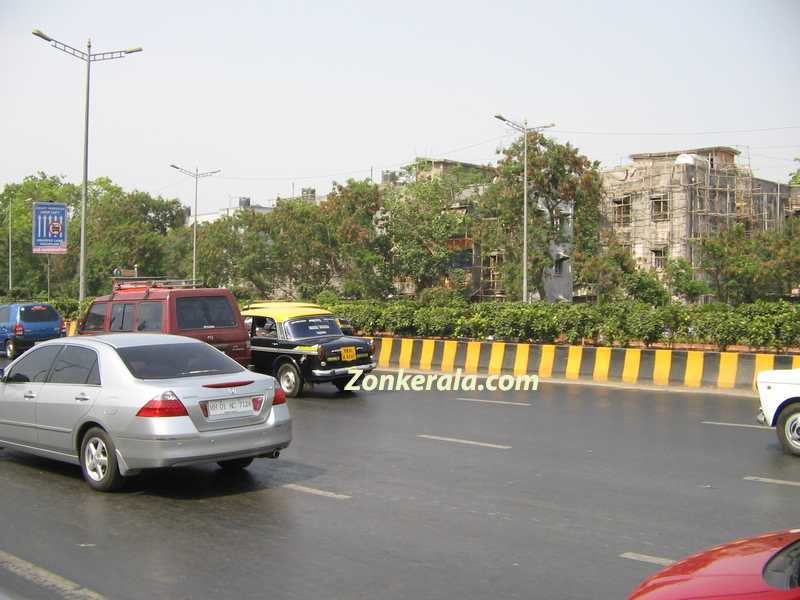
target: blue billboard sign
49 228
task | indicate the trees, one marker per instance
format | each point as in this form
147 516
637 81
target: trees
563 184
421 219
352 214
794 178
299 248
744 268
605 270
681 281
123 229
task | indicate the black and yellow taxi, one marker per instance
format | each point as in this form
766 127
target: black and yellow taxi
300 343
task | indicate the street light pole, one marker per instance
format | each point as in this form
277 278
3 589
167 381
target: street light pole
89 58
197 176
524 130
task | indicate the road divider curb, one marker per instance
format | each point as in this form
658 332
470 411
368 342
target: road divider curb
673 368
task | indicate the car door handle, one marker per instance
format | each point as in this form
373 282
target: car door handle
82 397
29 395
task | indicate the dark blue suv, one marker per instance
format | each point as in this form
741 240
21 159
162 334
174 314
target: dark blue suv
22 325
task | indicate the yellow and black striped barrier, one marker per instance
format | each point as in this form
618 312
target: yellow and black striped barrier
690 368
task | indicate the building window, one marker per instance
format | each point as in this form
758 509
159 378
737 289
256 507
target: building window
558 266
660 259
622 211
659 207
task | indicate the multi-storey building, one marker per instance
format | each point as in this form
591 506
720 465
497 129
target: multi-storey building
664 201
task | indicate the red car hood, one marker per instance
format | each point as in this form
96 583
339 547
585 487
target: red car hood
731 570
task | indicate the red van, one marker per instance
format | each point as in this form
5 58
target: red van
171 306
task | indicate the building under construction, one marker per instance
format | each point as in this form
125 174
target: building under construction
664 201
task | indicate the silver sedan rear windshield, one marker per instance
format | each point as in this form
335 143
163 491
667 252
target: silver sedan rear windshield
171 361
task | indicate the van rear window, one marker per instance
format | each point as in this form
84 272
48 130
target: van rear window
204 312
38 313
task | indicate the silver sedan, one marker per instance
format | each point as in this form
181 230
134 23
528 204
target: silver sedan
117 404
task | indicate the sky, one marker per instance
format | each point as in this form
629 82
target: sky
283 94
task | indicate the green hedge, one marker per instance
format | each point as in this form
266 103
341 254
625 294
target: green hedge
767 325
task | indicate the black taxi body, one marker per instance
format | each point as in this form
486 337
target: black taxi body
303 343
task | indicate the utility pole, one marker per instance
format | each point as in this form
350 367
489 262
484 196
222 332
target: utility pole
197 176
524 130
89 58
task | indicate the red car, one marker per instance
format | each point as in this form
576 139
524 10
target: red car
766 567
160 305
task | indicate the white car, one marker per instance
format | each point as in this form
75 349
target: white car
780 406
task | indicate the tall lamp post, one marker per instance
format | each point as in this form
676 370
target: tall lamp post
524 130
88 58
197 175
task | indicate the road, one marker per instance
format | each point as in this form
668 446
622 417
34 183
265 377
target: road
537 496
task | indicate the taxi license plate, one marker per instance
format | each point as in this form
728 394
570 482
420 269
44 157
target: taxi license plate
229 406
348 353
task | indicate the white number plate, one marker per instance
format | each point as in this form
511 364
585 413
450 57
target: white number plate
229 406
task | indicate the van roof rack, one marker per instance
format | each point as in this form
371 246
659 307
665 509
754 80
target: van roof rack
119 284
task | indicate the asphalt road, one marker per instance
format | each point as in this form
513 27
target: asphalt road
361 506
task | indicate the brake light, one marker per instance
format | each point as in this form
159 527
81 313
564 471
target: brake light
164 405
280 397
19 329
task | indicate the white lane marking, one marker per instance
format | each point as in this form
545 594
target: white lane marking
653 560
722 424
768 480
315 491
494 401
44 578
460 441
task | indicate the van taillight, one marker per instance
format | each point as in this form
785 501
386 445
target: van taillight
280 397
63 328
19 329
164 405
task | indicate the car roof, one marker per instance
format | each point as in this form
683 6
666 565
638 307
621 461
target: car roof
159 293
285 311
270 304
124 340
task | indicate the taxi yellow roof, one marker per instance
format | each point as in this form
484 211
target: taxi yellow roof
275 304
281 312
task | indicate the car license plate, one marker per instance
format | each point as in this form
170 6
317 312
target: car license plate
348 353
229 407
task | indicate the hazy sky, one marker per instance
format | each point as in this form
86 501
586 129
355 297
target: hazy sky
278 92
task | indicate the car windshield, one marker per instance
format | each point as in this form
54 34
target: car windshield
171 361
38 313
310 327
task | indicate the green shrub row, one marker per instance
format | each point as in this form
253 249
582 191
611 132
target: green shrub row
770 325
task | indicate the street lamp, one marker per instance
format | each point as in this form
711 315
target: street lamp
88 58
524 130
197 176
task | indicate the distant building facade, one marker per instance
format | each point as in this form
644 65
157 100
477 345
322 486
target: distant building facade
663 202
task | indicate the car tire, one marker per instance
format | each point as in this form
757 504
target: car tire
788 429
235 464
99 461
290 379
11 349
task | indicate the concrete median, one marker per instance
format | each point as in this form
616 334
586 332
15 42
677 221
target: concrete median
635 366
